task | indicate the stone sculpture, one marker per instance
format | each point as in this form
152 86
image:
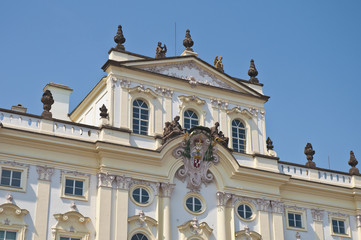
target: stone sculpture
218 136
353 162
104 112
119 39
309 152
48 100
161 51
188 42
172 129
252 72
218 63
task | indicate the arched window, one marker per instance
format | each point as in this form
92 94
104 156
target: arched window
139 236
140 117
190 119
238 136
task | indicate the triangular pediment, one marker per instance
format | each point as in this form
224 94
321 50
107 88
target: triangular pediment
193 70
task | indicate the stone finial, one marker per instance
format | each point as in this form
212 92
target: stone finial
9 198
218 63
188 42
353 162
160 51
252 72
47 100
298 236
309 152
103 112
73 207
119 39
269 144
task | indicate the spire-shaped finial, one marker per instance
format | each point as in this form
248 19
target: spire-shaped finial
188 42
48 100
119 39
252 72
103 112
269 144
309 152
353 162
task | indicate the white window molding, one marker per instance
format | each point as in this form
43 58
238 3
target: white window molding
12 219
235 114
71 224
192 229
149 97
250 205
142 224
340 218
145 187
17 168
194 104
197 196
77 177
296 212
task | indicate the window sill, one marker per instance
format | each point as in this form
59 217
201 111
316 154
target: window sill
14 189
74 197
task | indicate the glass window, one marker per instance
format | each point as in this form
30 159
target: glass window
7 235
74 187
68 238
190 119
295 220
140 117
10 178
139 236
238 136
338 226
140 195
244 211
194 204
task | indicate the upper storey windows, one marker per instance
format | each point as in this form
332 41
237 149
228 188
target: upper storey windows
238 136
190 119
140 117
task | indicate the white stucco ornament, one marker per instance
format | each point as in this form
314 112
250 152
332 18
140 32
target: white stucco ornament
198 151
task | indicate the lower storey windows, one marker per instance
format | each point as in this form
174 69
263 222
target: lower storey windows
68 238
295 220
7 235
139 236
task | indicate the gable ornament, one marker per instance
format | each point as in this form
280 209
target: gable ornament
198 152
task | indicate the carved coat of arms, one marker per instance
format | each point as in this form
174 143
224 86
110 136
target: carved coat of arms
198 151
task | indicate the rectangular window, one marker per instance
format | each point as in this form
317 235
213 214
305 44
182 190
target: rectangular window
338 226
11 178
7 235
295 220
74 187
67 238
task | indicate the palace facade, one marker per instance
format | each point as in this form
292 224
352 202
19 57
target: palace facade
164 148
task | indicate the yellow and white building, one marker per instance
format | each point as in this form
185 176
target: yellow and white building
80 176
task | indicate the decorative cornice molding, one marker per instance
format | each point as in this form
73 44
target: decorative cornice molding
105 180
45 172
167 189
223 198
219 103
317 215
165 92
263 205
153 185
337 214
277 206
141 89
193 98
237 110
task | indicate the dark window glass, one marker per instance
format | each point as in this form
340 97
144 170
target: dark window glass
194 204
295 220
7 235
238 136
139 236
141 195
140 117
190 119
244 211
10 178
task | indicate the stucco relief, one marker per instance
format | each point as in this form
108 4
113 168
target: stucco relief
198 152
187 70
193 228
317 215
45 172
263 205
223 198
165 92
277 206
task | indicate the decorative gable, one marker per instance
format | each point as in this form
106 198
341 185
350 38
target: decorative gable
191 72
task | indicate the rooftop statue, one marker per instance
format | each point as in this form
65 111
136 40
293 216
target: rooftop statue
48 100
160 51
309 152
218 63
188 42
119 39
353 162
252 72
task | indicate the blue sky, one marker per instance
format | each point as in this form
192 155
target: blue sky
307 54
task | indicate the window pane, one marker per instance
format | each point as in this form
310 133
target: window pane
5 181
69 182
2 234
79 184
78 191
16 174
298 217
6 173
10 235
15 183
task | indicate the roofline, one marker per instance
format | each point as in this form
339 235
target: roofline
130 53
263 97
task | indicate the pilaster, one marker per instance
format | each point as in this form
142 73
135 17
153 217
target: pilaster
277 219
116 102
43 198
263 212
222 199
317 216
358 225
124 106
167 189
122 186
104 204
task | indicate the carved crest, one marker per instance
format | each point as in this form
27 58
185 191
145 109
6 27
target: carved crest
198 151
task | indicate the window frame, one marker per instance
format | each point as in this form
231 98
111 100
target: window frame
147 188
132 235
303 219
139 118
245 135
249 204
6 230
200 198
344 219
83 178
23 180
190 118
